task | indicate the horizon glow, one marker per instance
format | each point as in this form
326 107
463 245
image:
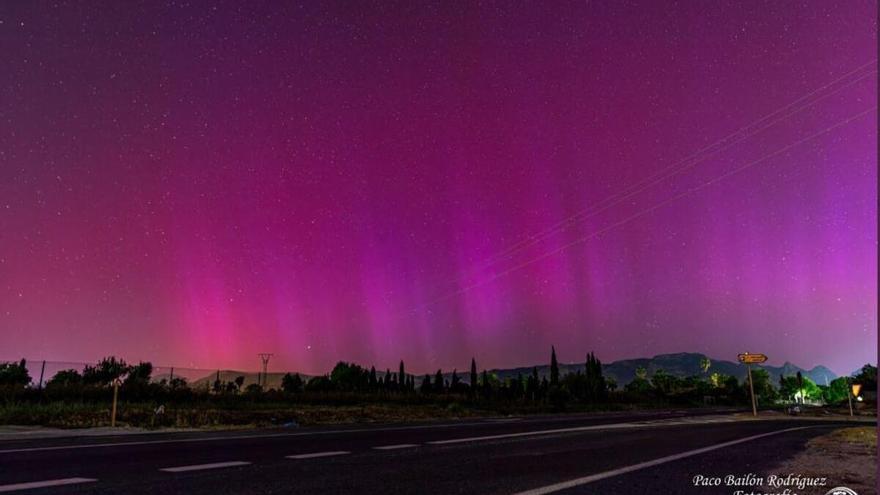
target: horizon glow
326 182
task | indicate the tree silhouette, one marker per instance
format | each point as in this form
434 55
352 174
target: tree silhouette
594 382
401 377
554 368
65 378
139 375
438 382
532 384
485 385
291 383
473 378
107 370
516 387
426 388
15 374
867 377
453 385
349 377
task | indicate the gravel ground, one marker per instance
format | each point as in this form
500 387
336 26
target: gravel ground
847 457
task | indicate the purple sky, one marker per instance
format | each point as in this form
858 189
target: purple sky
192 185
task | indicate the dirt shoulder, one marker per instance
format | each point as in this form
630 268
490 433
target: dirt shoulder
846 457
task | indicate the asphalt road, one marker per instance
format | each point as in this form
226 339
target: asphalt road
612 453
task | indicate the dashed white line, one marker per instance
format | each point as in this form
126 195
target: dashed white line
565 485
199 467
45 484
395 447
318 454
236 437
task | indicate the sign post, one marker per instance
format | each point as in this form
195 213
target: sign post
854 390
748 360
115 396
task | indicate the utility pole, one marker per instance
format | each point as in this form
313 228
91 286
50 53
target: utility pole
264 357
42 370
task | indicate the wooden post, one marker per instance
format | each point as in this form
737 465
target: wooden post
115 397
752 390
849 394
42 370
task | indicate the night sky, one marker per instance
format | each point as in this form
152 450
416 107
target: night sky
192 183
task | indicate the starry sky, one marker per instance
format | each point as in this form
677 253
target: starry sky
193 183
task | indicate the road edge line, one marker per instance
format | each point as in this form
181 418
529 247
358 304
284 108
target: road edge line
564 485
30 485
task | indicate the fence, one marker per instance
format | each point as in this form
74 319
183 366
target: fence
42 371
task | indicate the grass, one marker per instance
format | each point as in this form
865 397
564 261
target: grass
84 415
864 435
239 412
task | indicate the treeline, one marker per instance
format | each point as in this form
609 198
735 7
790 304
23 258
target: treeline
586 386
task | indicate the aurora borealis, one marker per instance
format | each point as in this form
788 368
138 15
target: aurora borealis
192 184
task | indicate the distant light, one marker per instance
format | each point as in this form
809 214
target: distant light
859 398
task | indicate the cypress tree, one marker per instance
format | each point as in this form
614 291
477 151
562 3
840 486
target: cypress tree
554 368
402 377
438 382
532 384
473 374
426 384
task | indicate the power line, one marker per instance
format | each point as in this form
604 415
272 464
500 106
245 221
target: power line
646 211
671 170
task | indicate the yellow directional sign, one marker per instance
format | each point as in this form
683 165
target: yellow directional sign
856 388
747 358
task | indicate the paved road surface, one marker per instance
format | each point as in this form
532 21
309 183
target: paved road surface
611 453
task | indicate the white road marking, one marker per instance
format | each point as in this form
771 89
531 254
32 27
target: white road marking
236 437
575 429
199 467
394 447
45 484
318 454
277 435
642 465
539 432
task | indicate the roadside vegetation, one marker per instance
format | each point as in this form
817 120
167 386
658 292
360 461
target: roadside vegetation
352 393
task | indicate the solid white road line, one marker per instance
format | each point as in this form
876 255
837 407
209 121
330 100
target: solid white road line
199 467
44 484
318 454
394 447
656 462
540 432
